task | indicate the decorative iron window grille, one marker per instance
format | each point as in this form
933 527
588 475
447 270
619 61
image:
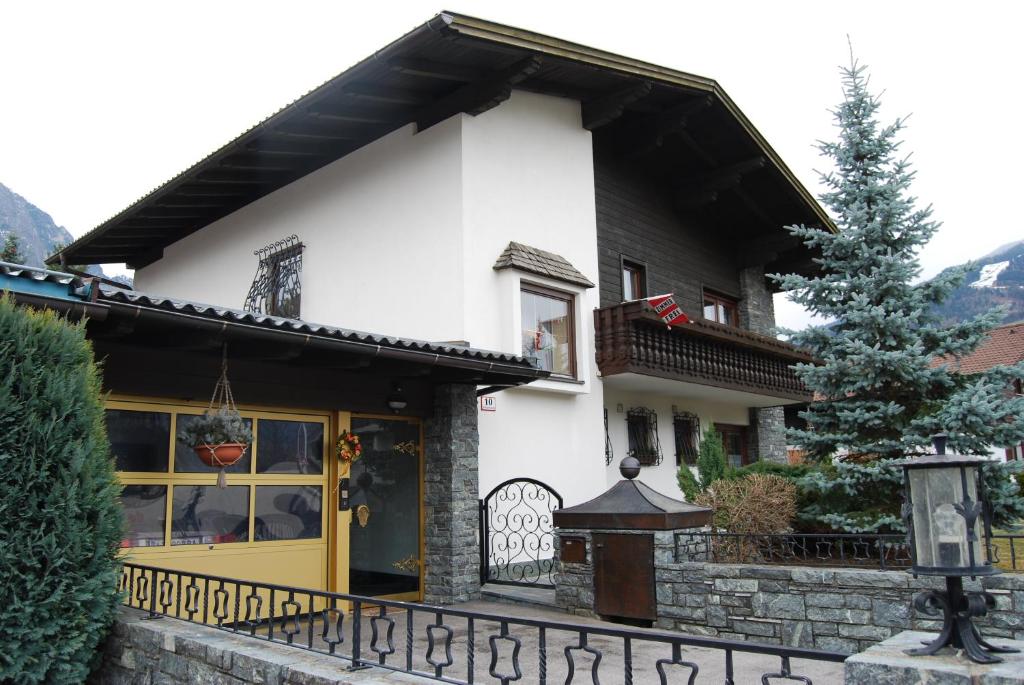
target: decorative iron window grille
276 290
609 453
642 425
686 427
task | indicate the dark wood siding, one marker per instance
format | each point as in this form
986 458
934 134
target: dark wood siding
637 220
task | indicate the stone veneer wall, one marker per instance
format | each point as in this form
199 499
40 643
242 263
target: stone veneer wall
837 609
757 314
451 487
845 610
170 652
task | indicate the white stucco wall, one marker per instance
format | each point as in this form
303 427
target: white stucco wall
381 228
528 176
401 237
663 476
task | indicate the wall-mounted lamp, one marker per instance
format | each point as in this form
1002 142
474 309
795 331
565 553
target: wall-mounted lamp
396 400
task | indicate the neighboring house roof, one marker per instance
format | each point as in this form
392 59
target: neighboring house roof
85 297
38 282
542 263
457 64
1003 347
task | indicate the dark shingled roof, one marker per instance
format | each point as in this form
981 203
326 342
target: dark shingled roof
239 316
459 64
549 264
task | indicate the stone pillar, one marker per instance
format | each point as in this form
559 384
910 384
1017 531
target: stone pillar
451 497
756 307
768 434
757 314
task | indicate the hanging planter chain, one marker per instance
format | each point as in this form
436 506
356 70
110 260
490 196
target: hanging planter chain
223 454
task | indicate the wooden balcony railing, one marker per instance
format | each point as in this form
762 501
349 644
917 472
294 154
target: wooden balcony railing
630 338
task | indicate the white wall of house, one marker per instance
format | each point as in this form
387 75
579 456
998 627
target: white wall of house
663 476
381 228
401 237
528 176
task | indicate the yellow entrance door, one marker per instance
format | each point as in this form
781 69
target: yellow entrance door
270 524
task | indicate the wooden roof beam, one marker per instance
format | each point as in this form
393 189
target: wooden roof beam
225 191
479 96
148 223
329 109
725 177
243 177
159 212
398 96
252 160
322 128
143 259
608 108
436 70
650 132
185 203
273 147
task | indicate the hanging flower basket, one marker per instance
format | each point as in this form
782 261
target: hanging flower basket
223 455
220 436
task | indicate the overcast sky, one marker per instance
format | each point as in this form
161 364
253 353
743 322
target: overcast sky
104 101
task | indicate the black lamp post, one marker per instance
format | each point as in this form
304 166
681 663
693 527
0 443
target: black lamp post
945 511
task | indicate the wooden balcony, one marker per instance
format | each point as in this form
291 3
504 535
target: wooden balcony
630 338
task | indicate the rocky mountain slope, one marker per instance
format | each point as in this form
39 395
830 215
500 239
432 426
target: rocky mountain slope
36 231
997 280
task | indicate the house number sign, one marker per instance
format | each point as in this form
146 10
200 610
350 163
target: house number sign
488 403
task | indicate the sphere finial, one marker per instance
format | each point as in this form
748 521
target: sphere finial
629 467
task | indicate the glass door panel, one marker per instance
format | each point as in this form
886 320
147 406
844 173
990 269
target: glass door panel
384 486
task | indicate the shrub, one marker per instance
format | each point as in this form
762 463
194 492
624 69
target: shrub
710 458
790 472
757 504
688 483
58 501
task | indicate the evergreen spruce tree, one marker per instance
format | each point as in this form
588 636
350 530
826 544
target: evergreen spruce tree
711 464
12 250
879 394
61 521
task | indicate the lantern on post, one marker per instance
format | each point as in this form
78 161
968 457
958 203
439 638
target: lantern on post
946 512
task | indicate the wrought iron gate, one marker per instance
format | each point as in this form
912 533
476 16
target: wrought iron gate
517 546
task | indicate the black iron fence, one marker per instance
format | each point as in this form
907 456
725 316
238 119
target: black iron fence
517 543
886 552
457 646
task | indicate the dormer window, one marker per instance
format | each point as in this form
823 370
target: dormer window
276 290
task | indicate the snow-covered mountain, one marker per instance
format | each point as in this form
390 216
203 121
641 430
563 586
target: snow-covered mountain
998 279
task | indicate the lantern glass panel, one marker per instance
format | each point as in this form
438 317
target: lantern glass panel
940 531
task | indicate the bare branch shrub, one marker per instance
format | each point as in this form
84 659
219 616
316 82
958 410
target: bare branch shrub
755 505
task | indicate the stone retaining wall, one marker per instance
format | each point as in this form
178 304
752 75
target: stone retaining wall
169 652
837 609
845 610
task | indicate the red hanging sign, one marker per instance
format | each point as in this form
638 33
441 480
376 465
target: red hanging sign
665 307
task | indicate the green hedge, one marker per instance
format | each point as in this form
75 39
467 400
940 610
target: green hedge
61 521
